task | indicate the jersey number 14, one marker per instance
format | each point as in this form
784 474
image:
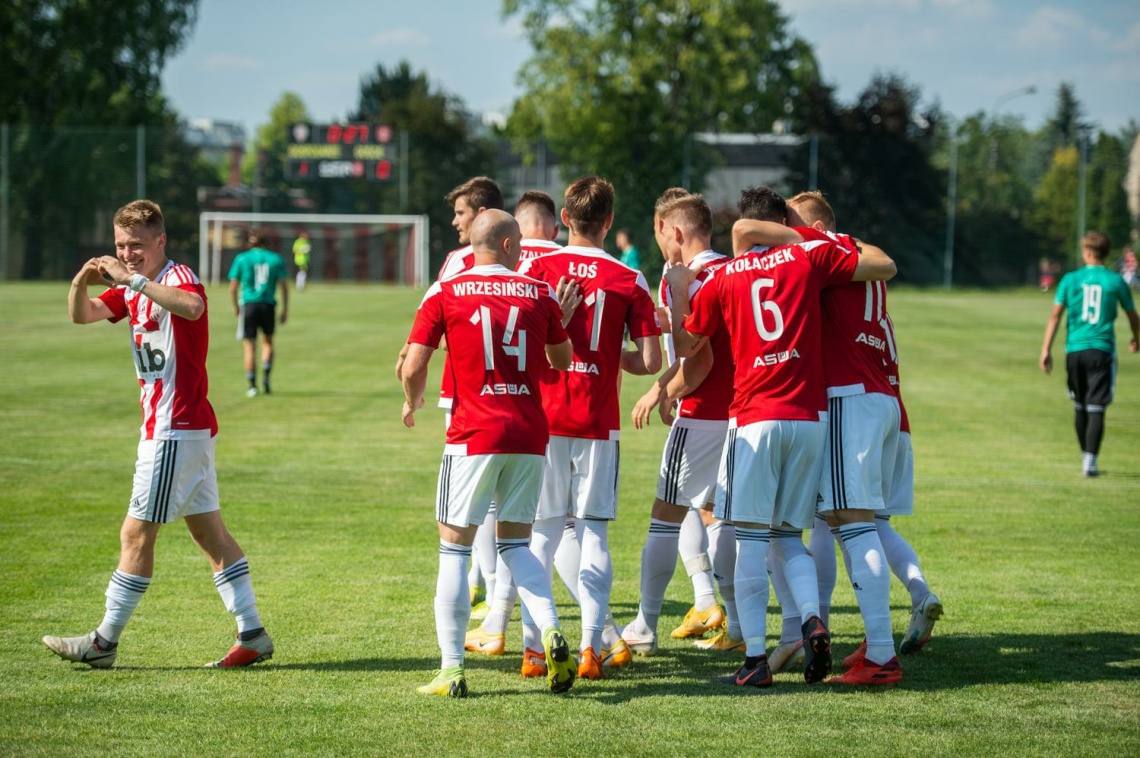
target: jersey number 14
482 317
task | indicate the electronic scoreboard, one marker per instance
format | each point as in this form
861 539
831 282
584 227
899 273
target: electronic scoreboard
340 151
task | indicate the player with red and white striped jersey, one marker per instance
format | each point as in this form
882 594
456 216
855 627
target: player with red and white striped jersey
582 404
504 330
165 305
768 300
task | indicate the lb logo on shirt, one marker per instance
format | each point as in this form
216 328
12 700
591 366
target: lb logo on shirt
149 360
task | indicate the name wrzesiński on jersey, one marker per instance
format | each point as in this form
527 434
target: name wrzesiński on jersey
528 290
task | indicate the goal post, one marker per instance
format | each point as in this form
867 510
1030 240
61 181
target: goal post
344 247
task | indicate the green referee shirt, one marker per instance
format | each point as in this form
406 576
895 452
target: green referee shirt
1091 296
258 270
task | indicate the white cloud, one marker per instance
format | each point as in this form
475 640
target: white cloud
1129 41
975 8
1054 27
232 61
401 37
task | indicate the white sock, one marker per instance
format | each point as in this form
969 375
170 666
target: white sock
452 602
544 541
693 548
568 558
789 614
871 580
658 561
124 593
798 570
903 561
722 554
532 582
752 587
484 552
1088 461
595 580
821 545
236 589
503 601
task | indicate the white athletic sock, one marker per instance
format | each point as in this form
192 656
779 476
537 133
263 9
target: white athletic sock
789 613
722 554
544 540
568 558
595 580
693 547
484 552
503 601
871 580
124 593
236 589
452 602
821 545
799 571
903 561
752 587
658 561
532 582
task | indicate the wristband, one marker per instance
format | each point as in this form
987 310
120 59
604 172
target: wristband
137 282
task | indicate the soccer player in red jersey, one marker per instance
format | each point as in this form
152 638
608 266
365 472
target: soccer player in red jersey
768 299
504 329
165 305
691 457
582 406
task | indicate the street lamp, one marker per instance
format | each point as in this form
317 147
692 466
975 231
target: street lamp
1002 100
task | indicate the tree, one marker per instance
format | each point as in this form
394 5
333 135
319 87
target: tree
1107 202
269 151
71 63
1055 209
618 88
442 151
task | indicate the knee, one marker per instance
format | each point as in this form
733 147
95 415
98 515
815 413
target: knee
137 537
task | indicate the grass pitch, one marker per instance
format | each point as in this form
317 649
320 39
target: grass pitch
332 499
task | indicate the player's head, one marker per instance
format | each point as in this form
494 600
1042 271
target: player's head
495 235
536 215
667 197
589 207
256 238
1096 246
623 240
812 210
762 204
470 199
140 237
687 218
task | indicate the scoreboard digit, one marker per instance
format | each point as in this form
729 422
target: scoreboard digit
340 151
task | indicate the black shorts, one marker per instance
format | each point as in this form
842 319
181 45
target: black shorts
1092 378
258 317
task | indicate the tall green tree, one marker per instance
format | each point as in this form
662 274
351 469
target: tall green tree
268 154
618 88
442 150
1107 203
1055 205
76 63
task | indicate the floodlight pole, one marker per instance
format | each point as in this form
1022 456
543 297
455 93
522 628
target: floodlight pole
951 211
1082 170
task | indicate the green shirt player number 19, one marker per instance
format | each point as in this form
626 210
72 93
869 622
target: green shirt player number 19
1091 296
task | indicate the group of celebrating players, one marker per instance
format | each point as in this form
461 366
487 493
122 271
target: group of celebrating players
782 394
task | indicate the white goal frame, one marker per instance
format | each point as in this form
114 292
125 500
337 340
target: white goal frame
210 244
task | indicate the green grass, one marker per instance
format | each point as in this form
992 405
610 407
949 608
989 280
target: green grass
332 499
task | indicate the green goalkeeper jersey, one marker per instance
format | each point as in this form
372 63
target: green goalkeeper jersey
1091 296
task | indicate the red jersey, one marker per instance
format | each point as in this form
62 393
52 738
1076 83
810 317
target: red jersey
170 359
583 402
498 324
711 400
891 372
768 299
855 342
533 248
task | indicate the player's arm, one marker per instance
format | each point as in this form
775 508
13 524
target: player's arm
400 359
180 302
1134 322
652 398
283 283
694 370
874 265
560 355
235 288
1051 326
748 232
82 308
414 378
646 359
680 278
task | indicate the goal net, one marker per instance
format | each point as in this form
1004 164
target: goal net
347 247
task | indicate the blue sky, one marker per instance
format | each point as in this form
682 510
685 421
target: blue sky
967 54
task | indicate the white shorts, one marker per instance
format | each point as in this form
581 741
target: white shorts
772 472
690 463
468 484
900 492
581 478
859 457
174 479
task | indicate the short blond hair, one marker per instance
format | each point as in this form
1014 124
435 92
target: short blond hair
667 197
811 206
1098 244
141 214
691 213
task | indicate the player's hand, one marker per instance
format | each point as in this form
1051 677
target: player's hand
90 274
569 294
680 276
1047 361
665 410
284 316
1133 346
113 269
237 311
409 413
644 407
